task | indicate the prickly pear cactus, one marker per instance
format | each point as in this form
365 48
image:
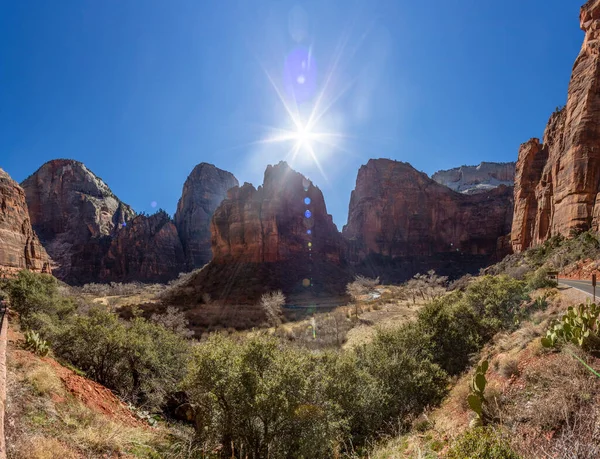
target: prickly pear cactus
578 326
476 398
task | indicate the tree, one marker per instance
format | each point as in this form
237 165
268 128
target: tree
272 303
173 320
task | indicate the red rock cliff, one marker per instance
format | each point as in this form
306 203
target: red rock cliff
397 212
557 183
19 245
275 222
203 191
92 235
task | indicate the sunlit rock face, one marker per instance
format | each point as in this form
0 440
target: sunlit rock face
19 245
398 213
203 191
557 181
91 235
275 222
477 179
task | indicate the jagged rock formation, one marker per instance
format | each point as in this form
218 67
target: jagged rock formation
203 191
477 179
278 236
401 221
557 186
92 235
19 245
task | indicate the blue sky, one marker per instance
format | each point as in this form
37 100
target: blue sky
142 91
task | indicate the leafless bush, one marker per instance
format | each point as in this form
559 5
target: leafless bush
173 320
509 367
427 286
271 303
361 286
118 288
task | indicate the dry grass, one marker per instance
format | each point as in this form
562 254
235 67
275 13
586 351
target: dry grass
38 447
44 380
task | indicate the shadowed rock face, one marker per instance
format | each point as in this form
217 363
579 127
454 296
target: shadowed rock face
203 191
399 213
477 179
147 249
19 245
92 235
557 184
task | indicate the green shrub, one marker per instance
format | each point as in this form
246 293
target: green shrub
401 361
34 294
481 443
141 360
539 279
260 398
496 300
451 331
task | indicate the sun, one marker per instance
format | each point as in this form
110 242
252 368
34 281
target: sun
302 136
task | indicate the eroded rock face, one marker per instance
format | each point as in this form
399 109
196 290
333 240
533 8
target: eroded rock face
399 213
558 181
69 206
19 245
477 179
203 191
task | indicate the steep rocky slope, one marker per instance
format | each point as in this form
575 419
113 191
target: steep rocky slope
203 191
477 179
19 245
557 181
401 222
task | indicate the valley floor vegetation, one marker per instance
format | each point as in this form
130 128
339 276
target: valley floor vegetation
257 395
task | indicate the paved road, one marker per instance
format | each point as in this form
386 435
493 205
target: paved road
583 285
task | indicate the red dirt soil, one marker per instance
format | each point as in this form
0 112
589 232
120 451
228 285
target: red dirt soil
92 394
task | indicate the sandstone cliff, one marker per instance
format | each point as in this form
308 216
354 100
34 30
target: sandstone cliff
19 245
477 179
69 206
399 215
95 237
278 236
557 183
203 191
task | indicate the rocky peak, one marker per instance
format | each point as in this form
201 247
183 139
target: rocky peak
69 206
19 245
477 179
203 191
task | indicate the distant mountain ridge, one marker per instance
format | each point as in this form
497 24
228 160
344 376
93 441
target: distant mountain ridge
477 179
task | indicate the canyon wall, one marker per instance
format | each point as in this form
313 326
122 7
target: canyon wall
557 180
20 247
398 213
